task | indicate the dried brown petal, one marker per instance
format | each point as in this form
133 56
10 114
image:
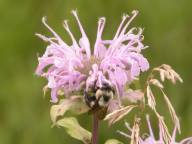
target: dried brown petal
164 132
156 83
135 132
166 67
119 114
162 75
151 98
172 112
167 72
126 134
177 76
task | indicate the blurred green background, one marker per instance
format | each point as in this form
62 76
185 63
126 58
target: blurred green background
24 113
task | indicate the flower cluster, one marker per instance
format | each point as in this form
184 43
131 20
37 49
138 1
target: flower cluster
74 67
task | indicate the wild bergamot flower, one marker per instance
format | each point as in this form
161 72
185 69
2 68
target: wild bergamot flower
102 74
112 63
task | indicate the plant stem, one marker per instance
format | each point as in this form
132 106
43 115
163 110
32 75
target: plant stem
95 129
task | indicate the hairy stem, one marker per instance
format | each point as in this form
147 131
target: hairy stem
95 129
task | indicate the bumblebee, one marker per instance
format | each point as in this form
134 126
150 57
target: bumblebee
98 99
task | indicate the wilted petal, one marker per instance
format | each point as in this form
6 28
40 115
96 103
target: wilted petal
119 114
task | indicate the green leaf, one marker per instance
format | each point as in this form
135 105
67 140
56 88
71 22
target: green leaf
74 104
74 129
113 141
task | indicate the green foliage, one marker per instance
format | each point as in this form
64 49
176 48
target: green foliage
73 128
74 104
113 141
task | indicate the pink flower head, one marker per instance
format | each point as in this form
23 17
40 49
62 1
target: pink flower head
116 62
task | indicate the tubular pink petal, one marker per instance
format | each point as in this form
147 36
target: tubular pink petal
66 26
46 39
54 98
174 135
84 41
186 141
99 48
53 32
134 12
120 26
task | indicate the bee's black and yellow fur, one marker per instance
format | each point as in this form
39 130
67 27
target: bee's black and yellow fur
98 98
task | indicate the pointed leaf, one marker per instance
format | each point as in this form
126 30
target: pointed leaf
74 129
74 104
113 141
